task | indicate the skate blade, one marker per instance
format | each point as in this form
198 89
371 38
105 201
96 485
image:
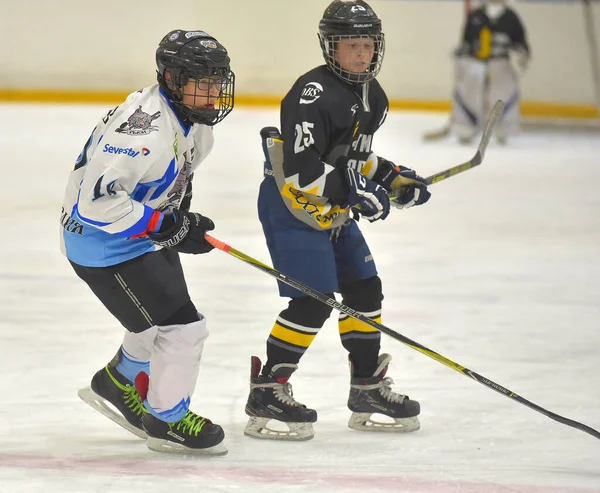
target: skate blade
364 422
160 445
257 428
98 403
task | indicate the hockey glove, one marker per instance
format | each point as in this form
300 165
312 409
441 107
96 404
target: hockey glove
406 187
461 50
521 56
408 196
366 197
184 231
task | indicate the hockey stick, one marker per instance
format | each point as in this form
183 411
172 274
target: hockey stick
493 118
588 14
437 134
323 298
445 130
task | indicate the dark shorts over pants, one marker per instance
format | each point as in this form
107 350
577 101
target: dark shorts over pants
145 291
308 255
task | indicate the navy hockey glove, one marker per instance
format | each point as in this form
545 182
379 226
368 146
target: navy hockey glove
408 196
184 231
367 197
406 187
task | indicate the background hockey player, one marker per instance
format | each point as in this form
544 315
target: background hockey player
125 220
484 73
319 168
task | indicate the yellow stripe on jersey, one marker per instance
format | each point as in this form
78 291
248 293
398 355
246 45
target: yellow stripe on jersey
352 325
323 214
485 44
291 336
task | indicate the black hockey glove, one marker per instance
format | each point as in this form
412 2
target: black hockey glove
406 187
184 231
366 197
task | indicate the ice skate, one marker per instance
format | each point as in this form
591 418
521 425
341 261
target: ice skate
271 399
192 435
109 390
373 395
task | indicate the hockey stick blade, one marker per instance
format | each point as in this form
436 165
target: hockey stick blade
323 298
437 134
493 118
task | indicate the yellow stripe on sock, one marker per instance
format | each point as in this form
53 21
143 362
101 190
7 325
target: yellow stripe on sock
352 325
291 336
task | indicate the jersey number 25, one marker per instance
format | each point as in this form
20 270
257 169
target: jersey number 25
304 137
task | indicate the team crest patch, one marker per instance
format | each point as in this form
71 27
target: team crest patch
311 92
139 123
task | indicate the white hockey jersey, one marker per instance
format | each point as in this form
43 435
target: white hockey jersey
137 160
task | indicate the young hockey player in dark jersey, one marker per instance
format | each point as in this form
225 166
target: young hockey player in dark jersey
318 170
484 73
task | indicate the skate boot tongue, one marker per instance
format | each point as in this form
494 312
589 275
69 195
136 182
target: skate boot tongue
382 365
379 374
142 382
282 372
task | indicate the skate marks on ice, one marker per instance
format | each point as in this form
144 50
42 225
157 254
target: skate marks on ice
158 473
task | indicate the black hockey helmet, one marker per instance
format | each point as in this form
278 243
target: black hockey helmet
196 55
351 19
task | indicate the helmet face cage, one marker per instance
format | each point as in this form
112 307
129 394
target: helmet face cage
329 46
208 101
351 19
184 56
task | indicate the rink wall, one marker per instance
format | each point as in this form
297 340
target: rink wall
68 50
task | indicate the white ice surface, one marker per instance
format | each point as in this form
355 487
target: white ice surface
500 272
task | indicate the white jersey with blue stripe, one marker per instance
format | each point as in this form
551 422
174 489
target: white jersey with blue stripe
138 160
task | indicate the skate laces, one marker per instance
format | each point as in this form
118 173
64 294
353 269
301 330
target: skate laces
281 391
385 389
191 423
134 401
385 384
131 397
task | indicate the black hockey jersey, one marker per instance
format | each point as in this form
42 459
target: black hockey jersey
486 38
323 119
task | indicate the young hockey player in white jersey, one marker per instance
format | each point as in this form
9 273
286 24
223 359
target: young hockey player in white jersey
319 169
484 73
125 220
